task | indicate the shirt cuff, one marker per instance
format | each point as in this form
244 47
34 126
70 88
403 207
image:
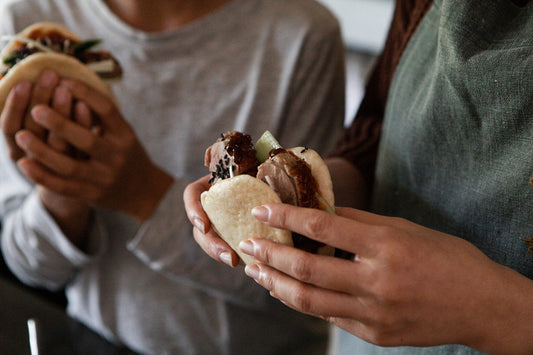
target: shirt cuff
45 226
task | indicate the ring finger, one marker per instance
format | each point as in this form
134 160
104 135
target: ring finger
303 297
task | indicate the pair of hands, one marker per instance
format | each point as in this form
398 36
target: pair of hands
407 285
47 126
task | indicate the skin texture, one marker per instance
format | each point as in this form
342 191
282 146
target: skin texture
407 285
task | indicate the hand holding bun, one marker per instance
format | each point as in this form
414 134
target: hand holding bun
244 177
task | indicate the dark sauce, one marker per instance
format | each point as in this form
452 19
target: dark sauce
241 147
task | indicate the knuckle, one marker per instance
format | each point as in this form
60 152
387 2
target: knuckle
318 224
301 299
302 269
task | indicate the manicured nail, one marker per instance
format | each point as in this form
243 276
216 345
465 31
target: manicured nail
199 224
225 257
261 213
252 271
247 246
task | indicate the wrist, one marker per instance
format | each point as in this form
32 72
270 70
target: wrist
71 215
156 184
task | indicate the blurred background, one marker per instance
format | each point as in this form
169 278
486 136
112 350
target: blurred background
364 25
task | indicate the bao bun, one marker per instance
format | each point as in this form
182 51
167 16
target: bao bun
229 203
31 67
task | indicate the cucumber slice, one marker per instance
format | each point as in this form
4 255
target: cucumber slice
85 45
264 145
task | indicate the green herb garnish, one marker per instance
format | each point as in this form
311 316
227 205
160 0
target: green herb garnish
85 45
9 60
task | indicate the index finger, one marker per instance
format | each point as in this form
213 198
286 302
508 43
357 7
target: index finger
339 232
106 110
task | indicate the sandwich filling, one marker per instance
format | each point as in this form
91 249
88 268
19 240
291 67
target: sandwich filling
101 62
287 174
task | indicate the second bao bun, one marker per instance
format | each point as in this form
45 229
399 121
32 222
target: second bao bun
31 67
230 200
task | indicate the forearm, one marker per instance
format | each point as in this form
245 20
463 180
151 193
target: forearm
349 185
72 216
151 192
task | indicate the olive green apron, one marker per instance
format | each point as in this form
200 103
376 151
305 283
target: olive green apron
456 153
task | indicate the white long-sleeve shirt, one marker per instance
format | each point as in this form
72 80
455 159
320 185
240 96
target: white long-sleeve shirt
251 65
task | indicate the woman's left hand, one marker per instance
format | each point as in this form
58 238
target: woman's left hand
407 285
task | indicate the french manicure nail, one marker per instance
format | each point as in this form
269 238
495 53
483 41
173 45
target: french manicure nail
261 213
252 271
225 257
247 246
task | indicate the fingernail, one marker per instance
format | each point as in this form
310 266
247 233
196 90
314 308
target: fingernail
23 139
39 114
247 246
261 213
61 95
47 79
225 257
199 224
252 271
23 88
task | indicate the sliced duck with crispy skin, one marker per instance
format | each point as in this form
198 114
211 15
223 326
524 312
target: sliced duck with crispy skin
231 155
